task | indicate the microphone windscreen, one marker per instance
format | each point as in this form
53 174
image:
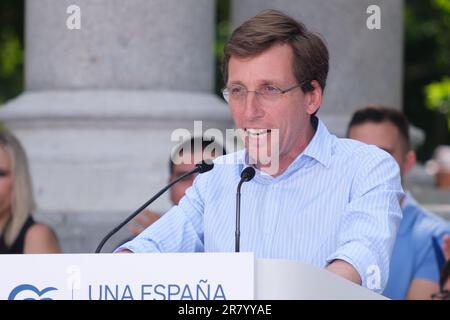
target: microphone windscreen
247 174
205 166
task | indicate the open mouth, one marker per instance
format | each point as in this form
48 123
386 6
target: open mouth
257 132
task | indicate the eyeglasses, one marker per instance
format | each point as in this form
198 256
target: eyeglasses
442 295
238 94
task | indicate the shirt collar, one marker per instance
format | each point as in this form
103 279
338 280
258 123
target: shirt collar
319 149
320 146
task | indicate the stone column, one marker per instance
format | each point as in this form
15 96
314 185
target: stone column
365 65
101 103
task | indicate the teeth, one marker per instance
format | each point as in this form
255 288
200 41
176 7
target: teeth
257 132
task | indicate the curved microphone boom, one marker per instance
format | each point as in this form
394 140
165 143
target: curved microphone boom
246 175
201 167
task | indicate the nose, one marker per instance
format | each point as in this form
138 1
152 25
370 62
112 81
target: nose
253 109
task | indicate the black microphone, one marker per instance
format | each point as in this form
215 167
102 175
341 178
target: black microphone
246 175
201 167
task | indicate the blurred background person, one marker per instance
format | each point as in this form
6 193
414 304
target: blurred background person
414 267
19 233
210 149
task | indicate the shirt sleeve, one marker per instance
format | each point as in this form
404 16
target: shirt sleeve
180 229
370 222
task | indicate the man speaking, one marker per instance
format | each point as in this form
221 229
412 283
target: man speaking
329 202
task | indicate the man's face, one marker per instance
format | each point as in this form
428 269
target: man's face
384 135
256 117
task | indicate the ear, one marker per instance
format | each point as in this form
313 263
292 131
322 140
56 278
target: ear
314 97
409 162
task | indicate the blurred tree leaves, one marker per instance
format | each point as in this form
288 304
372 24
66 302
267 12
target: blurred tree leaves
438 97
11 48
427 60
11 54
223 8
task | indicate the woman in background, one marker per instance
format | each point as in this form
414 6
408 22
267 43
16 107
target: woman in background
19 233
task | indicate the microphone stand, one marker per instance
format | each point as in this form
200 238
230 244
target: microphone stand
246 175
238 216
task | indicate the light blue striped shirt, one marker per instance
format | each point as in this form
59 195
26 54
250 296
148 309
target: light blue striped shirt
338 200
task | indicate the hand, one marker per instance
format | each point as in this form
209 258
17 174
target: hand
344 269
142 221
446 247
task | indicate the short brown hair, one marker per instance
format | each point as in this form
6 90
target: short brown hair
272 27
380 114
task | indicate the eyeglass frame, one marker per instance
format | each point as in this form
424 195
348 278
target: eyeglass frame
226 93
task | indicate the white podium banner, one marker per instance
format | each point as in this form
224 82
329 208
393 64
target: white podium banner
186 276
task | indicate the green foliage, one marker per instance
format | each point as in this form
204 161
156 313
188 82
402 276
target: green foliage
11 54
427 52
11 48
438 97
222 33
444 5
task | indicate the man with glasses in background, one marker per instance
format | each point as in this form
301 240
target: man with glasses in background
329 202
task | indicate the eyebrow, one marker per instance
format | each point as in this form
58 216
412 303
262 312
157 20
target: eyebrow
261 83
